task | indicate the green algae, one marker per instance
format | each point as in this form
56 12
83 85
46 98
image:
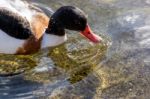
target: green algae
78 63
15 63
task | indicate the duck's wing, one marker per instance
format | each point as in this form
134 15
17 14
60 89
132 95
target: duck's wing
14 25
47 10
21 19
39 21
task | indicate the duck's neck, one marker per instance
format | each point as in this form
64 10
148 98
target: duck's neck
50 40
54 34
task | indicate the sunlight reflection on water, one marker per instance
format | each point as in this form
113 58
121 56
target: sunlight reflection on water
79 70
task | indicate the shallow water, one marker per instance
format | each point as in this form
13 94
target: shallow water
77 69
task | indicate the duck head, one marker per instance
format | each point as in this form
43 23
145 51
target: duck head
72 18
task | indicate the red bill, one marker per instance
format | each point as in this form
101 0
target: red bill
90 35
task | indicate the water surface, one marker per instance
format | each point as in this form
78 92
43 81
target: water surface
116 69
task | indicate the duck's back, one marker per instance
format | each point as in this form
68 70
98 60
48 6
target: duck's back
20 22
20 7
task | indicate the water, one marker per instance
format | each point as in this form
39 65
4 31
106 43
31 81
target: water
119 69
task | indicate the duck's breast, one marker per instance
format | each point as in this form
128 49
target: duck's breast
9 44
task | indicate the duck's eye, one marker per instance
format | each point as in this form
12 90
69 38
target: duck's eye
77 22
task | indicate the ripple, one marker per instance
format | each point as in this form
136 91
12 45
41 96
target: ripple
64 69
51 69
143 36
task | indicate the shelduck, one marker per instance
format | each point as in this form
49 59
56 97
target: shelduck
25 28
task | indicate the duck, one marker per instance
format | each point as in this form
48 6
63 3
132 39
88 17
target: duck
25 28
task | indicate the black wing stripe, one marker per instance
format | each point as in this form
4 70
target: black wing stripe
14 25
